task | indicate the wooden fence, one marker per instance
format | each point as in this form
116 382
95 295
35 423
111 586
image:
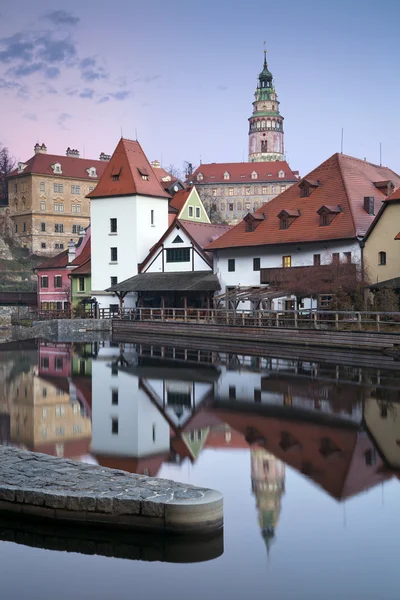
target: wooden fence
323 320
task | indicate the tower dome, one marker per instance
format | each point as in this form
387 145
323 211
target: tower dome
266 138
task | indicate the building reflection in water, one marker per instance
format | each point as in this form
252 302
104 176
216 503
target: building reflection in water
136 407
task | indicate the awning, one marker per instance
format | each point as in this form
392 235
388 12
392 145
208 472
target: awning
389 283
197 281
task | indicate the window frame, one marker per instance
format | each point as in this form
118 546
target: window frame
231 265
382 258
114 254
257 264
178 255
287 261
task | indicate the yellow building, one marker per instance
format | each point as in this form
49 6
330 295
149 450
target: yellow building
381 253
47 198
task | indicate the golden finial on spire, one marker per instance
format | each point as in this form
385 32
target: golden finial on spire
265 53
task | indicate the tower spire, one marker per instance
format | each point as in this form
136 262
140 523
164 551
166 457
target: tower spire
266 122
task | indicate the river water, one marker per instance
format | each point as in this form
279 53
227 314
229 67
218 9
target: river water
305 452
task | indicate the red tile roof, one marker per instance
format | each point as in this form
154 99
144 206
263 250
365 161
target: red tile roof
344 181
163 174
84 269
60 260
83 256
179 199
124 172
241 172
394 196
204 233
72 167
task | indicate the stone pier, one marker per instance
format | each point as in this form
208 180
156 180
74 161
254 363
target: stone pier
42 486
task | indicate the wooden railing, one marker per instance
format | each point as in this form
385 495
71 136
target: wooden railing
299 319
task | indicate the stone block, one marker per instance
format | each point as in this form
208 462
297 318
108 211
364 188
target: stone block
153 508
55 500
73 503
126 506
7 493
87 503
38 511
141 522
33 497
104 504
10 506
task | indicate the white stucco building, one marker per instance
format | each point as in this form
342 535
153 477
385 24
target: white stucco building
318 222
129 213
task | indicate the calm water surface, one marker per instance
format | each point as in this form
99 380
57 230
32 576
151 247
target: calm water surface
306 454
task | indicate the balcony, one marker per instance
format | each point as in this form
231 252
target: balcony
314 279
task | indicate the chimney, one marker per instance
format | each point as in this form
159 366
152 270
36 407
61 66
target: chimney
71 251
40 149
156 164
104 157
369 205
72 153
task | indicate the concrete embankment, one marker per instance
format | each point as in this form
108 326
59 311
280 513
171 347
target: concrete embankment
37 485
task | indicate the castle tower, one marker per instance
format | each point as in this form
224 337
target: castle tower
268 486
266 123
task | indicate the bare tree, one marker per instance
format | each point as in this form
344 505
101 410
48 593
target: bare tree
7 164
174 171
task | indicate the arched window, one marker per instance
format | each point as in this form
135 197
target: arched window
226 175
263 124
268 124
382 258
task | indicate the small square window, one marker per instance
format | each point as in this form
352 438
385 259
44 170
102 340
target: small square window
114 280
286 261
317 260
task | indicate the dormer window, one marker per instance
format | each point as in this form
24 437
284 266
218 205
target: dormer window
200 177
21 167
143 173
252 221
281 174
307 186
387 186
254 175
287 217
91 171
115 174
327 214
226 175
56 168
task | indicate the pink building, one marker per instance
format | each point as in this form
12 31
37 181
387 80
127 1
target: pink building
54 284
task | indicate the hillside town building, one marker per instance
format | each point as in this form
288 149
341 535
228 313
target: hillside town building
231 190
54 284
48 198
288 244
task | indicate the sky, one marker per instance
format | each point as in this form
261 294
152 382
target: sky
180 77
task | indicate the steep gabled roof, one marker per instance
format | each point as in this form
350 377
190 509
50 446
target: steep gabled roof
71 166
344 181
242 172
200 234
84 269
179 200
60 260
128 173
